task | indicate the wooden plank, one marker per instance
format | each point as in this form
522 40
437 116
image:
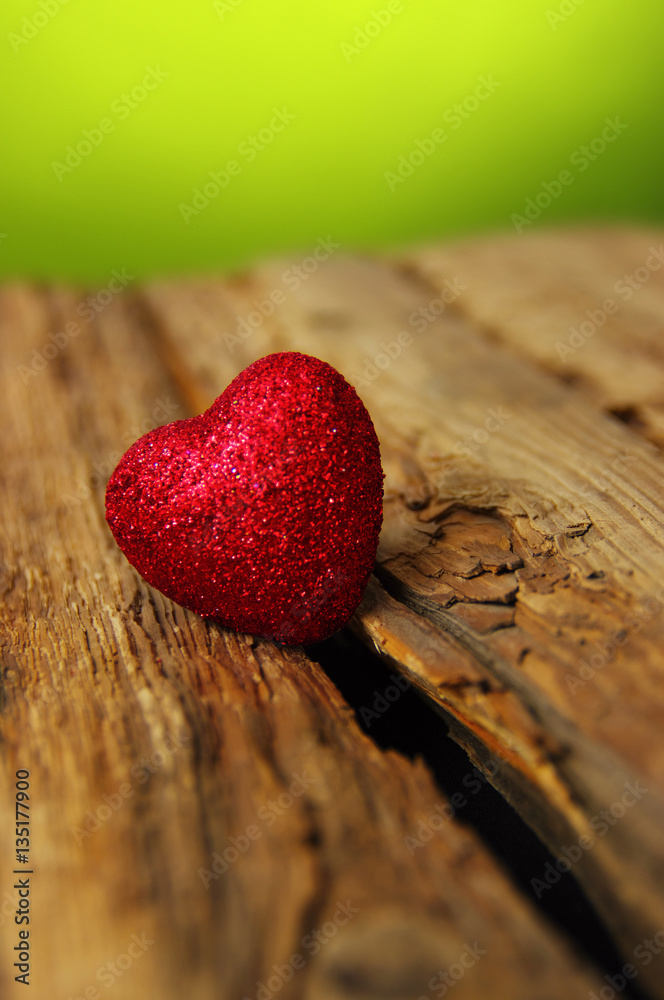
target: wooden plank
583 304
202 804
486 453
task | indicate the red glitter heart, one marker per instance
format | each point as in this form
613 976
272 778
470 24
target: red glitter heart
263 512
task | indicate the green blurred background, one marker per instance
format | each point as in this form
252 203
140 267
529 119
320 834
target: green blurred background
367 84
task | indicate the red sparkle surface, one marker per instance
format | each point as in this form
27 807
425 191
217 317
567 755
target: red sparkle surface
263 512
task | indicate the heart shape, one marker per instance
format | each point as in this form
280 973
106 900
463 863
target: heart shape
264 511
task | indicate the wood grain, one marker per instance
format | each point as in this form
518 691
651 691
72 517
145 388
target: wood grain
520 573
203 804
581 303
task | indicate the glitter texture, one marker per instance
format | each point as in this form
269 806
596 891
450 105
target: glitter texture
263 512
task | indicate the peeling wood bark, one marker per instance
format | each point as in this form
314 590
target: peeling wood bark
162 748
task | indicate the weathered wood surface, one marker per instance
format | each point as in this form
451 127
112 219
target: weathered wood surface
523 525
603 334
524 533
155 741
